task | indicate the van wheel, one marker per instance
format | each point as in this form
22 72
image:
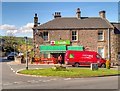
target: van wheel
73 65
76 64
103 66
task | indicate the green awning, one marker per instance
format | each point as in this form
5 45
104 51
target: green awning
81 48
52 49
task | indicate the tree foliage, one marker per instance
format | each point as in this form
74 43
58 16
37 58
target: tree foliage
13 43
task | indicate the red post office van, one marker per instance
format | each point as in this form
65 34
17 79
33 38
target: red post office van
77 58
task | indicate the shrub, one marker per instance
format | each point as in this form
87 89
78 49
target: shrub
59 68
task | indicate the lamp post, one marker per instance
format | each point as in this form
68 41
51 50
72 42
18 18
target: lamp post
26 39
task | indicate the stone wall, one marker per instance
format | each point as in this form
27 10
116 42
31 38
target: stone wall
115 47
86 38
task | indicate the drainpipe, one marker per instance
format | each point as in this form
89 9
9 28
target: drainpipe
109 46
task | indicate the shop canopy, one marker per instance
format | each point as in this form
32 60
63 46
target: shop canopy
52 49
80 48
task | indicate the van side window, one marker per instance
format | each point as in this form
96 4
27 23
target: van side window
71 56
97 56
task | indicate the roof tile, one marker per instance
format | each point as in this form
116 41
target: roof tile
75 23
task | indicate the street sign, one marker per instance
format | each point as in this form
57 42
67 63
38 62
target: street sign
60 42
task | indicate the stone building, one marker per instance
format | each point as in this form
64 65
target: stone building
115 43
84 33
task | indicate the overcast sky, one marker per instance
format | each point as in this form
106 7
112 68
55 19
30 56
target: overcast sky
17 18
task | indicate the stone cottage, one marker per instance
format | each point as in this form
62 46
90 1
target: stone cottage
84 33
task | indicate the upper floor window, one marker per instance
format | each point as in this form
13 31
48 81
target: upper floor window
74 35
100 36
45 36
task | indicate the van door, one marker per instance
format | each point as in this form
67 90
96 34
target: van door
91 58
87 59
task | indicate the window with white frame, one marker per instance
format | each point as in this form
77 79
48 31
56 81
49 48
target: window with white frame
74 35
45 36
101 51
100 36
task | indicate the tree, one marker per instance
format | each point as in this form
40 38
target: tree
9 43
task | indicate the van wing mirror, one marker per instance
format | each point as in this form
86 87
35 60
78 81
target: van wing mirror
98 57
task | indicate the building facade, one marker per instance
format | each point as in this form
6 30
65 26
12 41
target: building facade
84 33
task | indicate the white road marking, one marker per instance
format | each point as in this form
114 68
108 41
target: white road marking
8 83
12 69
33 81
53 79
46 81
15 82
67 79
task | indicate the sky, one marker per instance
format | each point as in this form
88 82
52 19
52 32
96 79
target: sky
17 17
60 0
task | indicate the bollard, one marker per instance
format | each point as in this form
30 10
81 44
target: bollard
108 64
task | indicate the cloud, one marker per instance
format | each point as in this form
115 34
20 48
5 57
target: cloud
7 27
13 29
27 28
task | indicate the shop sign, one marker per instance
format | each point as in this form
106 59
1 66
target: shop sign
52 42
60 42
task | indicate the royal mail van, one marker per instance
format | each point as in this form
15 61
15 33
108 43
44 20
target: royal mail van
77 58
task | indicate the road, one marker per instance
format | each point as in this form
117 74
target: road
11 80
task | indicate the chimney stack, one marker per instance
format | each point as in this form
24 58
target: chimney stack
78 13
102 14
57 15
35 20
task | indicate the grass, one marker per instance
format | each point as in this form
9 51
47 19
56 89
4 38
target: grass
70 72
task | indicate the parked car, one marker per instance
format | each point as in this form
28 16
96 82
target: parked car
77 58
12 55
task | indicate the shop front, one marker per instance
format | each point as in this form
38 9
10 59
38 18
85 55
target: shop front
57 48
53 51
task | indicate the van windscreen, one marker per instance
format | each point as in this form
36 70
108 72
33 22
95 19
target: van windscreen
98 56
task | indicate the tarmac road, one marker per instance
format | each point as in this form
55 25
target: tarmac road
10 80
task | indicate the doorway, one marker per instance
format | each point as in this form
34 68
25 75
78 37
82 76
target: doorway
63 56
55 55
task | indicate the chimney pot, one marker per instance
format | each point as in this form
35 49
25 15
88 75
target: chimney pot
78 13
57 15
102 14
35 14
35 20
78 10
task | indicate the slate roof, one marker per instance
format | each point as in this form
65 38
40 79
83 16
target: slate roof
117 28
75 23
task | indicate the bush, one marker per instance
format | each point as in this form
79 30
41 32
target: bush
59 68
